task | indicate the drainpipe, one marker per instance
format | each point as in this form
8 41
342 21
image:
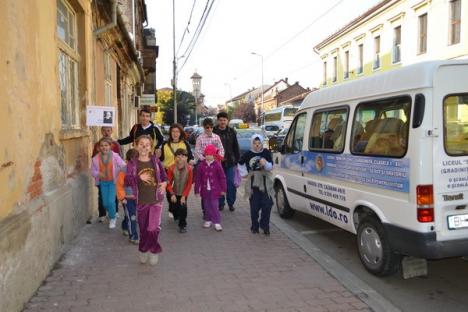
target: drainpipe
112 24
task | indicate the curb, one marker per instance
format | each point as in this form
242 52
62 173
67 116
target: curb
354 284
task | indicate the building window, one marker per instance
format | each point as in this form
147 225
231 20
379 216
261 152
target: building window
324 73
346 65
68 64
454 22
376 63
335 67
396 44
360 68
422 34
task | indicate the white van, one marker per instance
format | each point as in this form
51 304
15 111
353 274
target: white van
384 157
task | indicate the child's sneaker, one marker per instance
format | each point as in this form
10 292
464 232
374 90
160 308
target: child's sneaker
170 215
102 219
143 257
207 224
124 232
112 223
218 227
182 230
153 258
134 241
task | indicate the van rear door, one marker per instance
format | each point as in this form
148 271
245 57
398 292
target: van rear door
450 117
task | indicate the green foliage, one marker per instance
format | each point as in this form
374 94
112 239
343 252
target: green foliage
185 106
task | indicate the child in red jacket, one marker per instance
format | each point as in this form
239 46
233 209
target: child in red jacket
179 184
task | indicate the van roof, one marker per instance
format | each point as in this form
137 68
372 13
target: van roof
415 76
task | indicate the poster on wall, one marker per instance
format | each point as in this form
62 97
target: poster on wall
100 116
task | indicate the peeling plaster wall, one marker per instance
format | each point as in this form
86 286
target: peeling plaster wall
45 190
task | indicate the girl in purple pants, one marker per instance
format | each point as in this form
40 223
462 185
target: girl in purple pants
210 183
147 178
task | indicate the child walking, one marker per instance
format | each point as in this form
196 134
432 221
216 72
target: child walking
105 169
147 178
179 176
210 183
257 165
128 200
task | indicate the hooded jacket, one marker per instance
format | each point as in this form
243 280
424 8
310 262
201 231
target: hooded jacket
131 178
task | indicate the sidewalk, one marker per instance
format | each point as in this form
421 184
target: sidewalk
201 270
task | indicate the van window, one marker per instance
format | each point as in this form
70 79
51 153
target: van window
295 136
456 124
328 129
380 127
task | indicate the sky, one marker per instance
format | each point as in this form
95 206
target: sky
284 32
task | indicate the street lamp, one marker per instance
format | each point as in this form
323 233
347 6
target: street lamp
196 86
261 57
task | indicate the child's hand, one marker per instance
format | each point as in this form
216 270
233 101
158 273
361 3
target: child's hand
182 200
173 199
124 201
192 162
262 162
223 193
146 177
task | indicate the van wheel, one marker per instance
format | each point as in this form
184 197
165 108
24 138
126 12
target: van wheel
374 248
284 210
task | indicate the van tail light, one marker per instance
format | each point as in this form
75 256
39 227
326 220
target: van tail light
425 215
425 203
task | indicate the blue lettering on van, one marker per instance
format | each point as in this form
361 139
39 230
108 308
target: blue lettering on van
329 212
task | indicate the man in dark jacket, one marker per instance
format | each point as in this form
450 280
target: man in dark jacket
231 157
144 127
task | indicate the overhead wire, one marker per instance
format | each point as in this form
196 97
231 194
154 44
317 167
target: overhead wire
295 36
197 33
187 27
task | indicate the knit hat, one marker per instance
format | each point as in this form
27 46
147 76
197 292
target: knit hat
210 149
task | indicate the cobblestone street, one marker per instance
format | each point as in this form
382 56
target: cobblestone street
202 270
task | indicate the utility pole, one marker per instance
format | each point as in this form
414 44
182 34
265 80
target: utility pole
174 63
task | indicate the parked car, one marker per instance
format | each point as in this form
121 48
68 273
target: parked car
188 130
194 135
271 130
244 135
277 139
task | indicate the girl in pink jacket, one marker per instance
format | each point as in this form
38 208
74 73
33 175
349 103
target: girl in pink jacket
210 183
105 170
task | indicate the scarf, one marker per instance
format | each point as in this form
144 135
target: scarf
180 180
262 180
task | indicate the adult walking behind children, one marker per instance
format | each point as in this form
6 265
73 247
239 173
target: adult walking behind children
257 164
147 178
179 176
105 169
128 200
210 183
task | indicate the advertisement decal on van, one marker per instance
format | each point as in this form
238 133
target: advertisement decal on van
387 173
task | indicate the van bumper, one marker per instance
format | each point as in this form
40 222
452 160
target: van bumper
424 245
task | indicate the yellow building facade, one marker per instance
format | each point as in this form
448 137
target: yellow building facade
54 63
395 33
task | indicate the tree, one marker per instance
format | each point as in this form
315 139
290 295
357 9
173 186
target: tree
185 106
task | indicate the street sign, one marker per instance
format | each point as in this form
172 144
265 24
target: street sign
147 100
